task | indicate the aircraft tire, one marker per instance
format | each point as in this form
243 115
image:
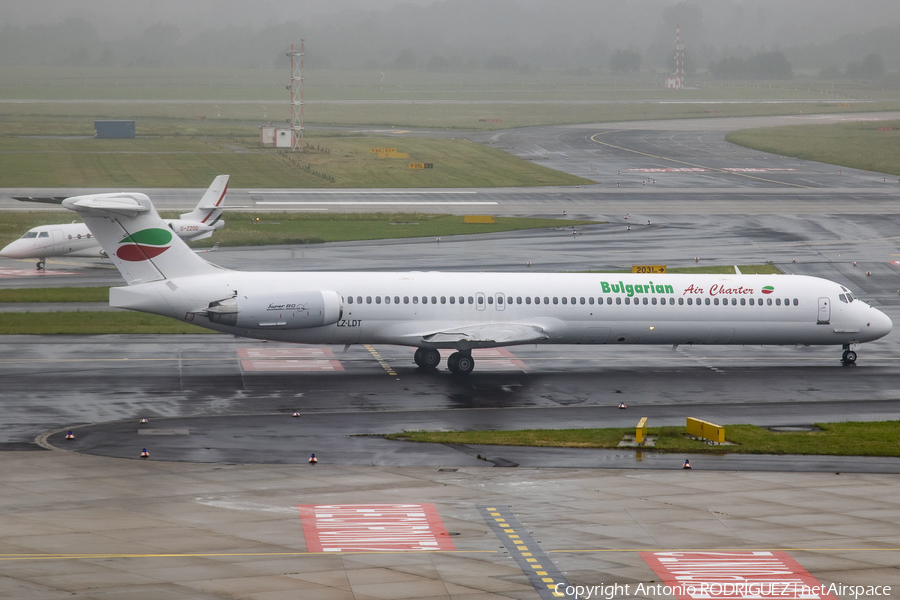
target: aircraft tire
40 265
464 364
849 357
417 357
453 362
431 358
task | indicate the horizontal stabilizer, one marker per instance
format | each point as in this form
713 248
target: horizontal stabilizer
125 205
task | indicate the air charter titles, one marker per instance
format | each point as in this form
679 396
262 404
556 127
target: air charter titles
714 290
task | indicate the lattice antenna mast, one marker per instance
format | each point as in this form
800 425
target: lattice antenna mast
296 88
679 58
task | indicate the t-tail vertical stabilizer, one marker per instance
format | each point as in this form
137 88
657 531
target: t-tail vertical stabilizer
139 242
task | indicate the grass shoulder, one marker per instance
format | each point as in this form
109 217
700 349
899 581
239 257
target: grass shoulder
92 323
844 439
865 145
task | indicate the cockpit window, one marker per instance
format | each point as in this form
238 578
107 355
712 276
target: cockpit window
44 234
852 296
29 235
842 298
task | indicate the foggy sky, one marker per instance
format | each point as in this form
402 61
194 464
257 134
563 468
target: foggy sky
460 33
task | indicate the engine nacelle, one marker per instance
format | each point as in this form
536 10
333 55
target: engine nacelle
300 310
192 231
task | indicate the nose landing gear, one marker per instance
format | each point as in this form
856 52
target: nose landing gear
40 263
849 356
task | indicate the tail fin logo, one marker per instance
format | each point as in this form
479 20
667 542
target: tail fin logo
144 244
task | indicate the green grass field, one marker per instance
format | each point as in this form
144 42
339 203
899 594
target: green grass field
241 228
331 163
92 323
859 145
847 439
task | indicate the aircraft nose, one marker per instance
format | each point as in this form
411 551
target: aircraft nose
879 324
13 250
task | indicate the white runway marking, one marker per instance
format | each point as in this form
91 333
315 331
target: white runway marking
376 203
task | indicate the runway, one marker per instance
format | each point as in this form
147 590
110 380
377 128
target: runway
213 511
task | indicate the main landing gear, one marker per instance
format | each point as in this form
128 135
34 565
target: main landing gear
849 356
460 363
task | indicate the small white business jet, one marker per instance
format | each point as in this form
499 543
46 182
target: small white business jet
75 239
462 311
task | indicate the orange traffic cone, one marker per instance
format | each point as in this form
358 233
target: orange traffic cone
70 436
145 454
312 459
687 464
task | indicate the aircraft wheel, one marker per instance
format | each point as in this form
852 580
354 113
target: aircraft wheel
430 358
849 357
453 362
464 364
417 357
40 265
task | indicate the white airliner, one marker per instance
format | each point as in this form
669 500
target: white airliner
75 239
462 311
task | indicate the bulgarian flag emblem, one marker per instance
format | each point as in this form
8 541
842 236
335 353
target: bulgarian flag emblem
768 289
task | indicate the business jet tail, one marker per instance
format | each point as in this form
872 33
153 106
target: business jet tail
209 209
134 236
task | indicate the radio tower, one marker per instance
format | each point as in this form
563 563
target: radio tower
679 59
296 88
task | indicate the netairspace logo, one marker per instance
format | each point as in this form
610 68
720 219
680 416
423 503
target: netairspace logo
144 244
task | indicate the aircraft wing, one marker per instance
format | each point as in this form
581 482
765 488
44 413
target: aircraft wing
44 199
484 336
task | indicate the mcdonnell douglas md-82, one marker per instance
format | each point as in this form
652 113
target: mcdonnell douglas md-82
462 311
75 239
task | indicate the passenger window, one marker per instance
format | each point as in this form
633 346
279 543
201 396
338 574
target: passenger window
653 301
415 299
619 300
707 301
564 300
572 299
349 299
480 300
368 299
628 300
555 300
743 301
34 234
581 300
377 299
609 300
681 302
443 299
591 300
470 300
690 301
500 299
734 301
462 300
645 301
751 301
452 299
396 299
716 301
490 299
387 299
433 300
527 299
796 302
405 299
424 299
769 301
777 301
518 299
547 300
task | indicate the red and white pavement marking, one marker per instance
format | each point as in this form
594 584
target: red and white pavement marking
261 359
8 273
735 576
373 528
493 359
